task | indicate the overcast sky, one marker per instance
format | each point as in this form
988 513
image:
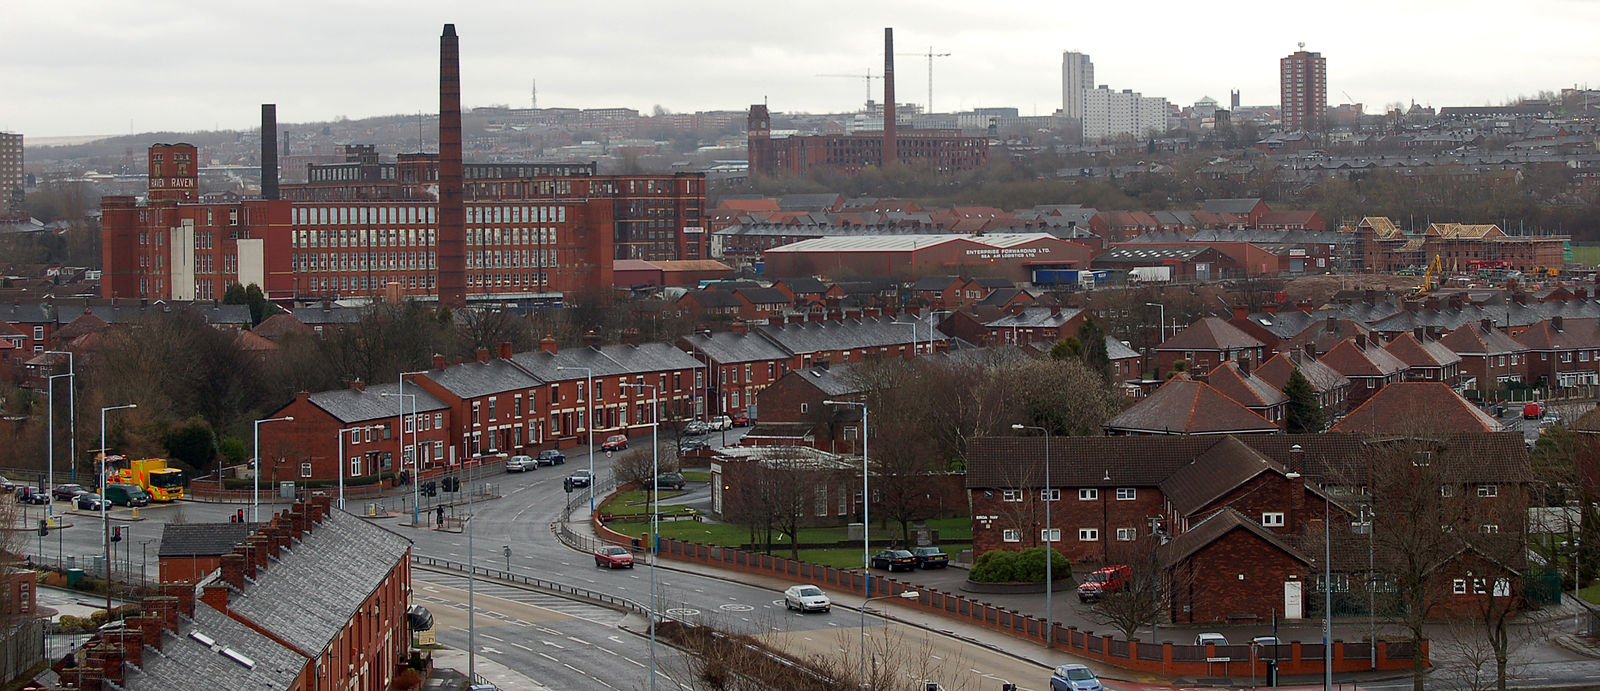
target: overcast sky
82 67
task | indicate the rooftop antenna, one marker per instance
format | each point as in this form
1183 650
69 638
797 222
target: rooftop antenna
534 87
1302 45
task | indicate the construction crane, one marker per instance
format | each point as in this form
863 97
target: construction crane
930 55
869 76
1430 279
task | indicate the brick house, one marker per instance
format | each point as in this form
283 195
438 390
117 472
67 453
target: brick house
1368 367
760 303
493 406
742 365
1414 407
702 304
1240 385
793 412
1183 406
1229 568
1034 325
35 320
1126 363
1333 389
1207 343
941 292
1562 352
1426 359
802 292
360 424
189 551
563 413
838 342
1489 358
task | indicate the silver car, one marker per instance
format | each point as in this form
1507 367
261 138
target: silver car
520 464
806 598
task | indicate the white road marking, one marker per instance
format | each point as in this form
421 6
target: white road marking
492 638
519 645
579 640
548 657
557 646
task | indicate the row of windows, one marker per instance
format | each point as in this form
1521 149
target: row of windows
1084 494
357 261
1084 534
425 214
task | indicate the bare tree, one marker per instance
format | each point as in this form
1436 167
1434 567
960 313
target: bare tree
1145 596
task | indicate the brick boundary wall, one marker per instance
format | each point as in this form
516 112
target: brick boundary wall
1167 658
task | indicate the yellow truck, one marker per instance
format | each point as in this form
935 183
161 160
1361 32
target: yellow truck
162 482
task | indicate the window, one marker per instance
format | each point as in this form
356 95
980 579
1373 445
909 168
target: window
1127 494
821 497
1011 495
1050 495
1127 534
1487 491
1011 535
1088 535
1502 587
1490 528
804 407
1088 494
1272 520
1446 491
305 470
1051 535
438 421
1459 586
355 466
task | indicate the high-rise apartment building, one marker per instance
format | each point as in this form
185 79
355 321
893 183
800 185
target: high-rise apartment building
1303 88
1108 113
11 182
1077 77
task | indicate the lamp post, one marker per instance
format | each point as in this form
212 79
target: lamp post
1295 452
588 424
50 445
105 521
655 512
1163 319
72 420
255 477
1050 549
866 523
416 472
913 326
909 595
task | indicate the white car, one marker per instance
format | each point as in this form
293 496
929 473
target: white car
1211 638
520 464
806 598
720 422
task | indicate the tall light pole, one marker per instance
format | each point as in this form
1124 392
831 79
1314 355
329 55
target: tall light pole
1050 549
655 513
1295 452
866 524
913 326
588 423
50 444
255 477
416 472
1163 320
72 420
105 521
472 594
909 595
339 462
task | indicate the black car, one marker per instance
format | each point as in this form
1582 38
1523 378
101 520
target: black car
89 501
32 495
581 478
669 481
693 445
894 560
930 557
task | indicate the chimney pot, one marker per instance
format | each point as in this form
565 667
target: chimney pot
482 355
183 594
233 569
548 344
438 362
591 338
505 350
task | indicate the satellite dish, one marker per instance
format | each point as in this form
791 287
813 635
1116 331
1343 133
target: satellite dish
1302 45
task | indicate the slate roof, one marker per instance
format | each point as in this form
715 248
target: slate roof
1001 296
1115 350
1244 388
1416 407
1213 528
1229 206
1283 324
1211 333
1184 406
311 593
1036 317
1415 353
934 283
185 663
831 381
1276 371
764 296
729 347
473 379
804 285
334 314
814 337
202 539
713 298
605 361
1474 339
354 405
128 313
27 312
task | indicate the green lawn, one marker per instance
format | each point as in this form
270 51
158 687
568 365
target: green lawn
1587 255
697 475
636 502
1591 594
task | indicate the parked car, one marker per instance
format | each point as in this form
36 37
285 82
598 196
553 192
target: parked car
615 442
1268 647
893 560
693 445
1104 581
613 557
806 598
32 495
720 422
582 478
741 420
7 485
930 557
88 501
552 457
696 428
67 492
1210 639
125 494
1074 678
669 481
520 464
1532 411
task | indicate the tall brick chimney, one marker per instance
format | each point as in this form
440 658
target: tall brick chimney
548 344
269 151
452 204
891 153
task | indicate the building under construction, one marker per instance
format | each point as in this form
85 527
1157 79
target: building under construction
944 151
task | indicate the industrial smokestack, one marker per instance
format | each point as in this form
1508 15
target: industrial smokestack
890 152
452 205
269 151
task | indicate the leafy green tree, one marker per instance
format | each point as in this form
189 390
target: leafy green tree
1093 338
192 443
233 450
1305 412
1069 347
259 307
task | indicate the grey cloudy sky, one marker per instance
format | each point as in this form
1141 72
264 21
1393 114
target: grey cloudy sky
80 67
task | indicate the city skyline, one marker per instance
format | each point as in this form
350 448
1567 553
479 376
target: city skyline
78 68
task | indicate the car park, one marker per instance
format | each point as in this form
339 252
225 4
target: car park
613 557
1104 581
581 478
89 501
67 492
32 495
672 481
930 557
806 598
894 560
551 457
696 428
615 442
519 464
1074 678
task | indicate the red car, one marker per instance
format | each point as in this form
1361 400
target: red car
741 420
615 442
613 557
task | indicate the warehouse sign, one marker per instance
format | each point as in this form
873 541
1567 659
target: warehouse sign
1007 252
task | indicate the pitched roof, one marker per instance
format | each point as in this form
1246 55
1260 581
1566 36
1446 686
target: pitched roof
712 298
1229 206
358 405
1574 333
831 381
1210 333
1353 360
473 379
729 347
184 661
1276 371
813 337
1213 473
1415 353
934 282
1213 528
1116 350
763 296
202 539
803 285
1036 317
311 593
1244 388
604 361
1184 406
1416 407
1473 338
279 325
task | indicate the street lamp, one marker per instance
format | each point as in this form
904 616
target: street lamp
72 420
588 424
50 444
866 523
909 595
255 477
1163 319
1050 550
416 472
105 521
913 326
655 511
